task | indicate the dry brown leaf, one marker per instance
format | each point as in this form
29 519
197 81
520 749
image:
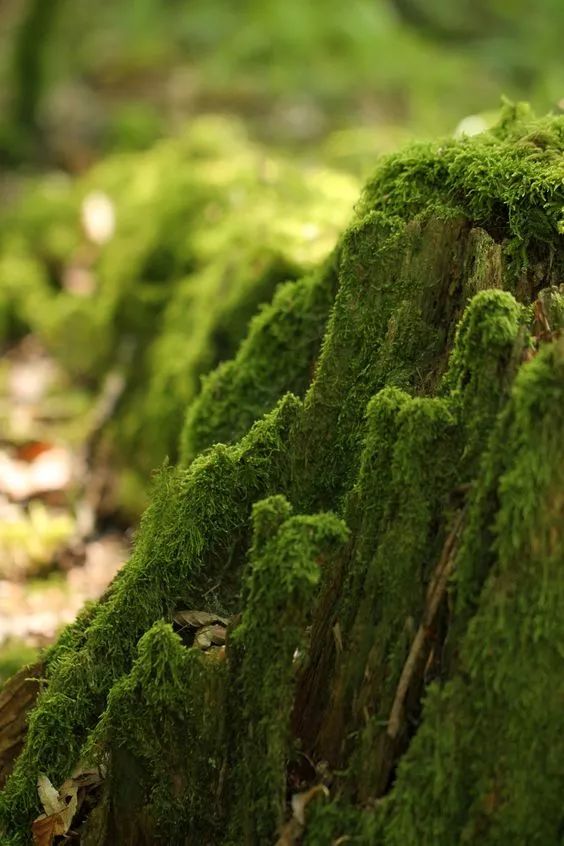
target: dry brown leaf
210 636
30 450
196 619
45 829
60 807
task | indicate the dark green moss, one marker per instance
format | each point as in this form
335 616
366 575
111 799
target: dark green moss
285 562
164 727
490 738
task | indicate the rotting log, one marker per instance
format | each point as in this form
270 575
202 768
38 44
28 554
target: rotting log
17 697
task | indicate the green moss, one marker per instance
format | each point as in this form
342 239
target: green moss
422 470
285 562
211 501
164 725
495 726
402 290
417 452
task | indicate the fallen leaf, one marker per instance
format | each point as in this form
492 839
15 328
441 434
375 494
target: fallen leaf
210 636
48 795
45 829
196 619
50 470
31 450
59 806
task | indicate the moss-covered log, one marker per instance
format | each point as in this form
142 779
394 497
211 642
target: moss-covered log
383 525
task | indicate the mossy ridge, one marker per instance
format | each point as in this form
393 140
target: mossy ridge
477 553
439 444
402 290
501 713
190 541
286 563
277 355
437 182
165 726
479 774
417 452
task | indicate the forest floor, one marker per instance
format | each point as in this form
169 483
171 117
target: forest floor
55 551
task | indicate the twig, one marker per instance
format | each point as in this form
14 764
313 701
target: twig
435 594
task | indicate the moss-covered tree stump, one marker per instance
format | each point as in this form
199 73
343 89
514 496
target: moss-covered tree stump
388 547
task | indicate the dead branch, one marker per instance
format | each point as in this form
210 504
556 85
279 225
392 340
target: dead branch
435 595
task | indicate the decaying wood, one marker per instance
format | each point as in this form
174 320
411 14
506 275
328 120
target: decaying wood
17 697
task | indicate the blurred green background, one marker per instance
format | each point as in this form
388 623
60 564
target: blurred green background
79 77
